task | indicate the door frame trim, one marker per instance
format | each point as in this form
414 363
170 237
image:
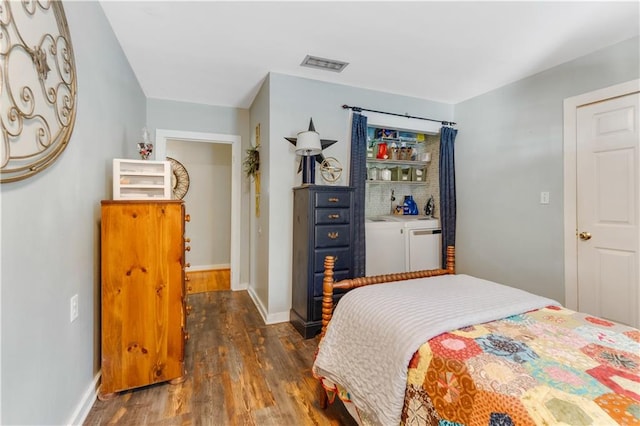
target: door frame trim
162 135
571 106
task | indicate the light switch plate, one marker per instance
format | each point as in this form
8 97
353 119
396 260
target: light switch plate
544 197
73 307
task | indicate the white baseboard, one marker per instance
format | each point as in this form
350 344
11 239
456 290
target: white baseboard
278 317
86 402
241 286
208 267
274 318
256 301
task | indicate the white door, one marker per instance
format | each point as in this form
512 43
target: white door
608 187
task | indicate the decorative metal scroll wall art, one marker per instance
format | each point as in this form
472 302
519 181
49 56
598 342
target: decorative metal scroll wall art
37 86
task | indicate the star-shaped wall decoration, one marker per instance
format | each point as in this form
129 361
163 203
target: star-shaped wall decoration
326 143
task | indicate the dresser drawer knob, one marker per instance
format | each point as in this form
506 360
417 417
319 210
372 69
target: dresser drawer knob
333 235
188 309
334 216
187 218
187 240
188 248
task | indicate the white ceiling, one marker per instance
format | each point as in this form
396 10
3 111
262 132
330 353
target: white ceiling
219 53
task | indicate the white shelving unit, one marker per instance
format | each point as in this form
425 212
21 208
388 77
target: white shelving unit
141 180
403 160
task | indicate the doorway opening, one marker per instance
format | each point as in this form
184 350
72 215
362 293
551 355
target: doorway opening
234 141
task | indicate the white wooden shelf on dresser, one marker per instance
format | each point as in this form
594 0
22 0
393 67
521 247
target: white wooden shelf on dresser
141 180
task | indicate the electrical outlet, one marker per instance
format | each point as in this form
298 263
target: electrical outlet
544 198
73 305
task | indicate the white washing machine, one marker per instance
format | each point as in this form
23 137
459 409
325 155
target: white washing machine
385 246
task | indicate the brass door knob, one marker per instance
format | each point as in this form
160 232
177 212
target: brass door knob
584 236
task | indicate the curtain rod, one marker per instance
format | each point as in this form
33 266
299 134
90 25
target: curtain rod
359 109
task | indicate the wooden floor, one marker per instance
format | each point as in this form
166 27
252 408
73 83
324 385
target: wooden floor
240 372
209 280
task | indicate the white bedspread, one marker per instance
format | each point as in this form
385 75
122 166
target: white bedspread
376 329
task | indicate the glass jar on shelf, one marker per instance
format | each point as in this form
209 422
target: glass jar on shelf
373 173
385 174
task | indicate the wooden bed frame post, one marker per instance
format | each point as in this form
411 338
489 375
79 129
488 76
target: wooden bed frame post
327 292
451 259
327 312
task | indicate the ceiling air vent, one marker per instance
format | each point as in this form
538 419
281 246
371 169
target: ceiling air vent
324 64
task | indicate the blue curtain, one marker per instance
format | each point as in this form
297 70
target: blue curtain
357 179
447 189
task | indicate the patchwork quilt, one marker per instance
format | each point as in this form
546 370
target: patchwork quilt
550 366
545 367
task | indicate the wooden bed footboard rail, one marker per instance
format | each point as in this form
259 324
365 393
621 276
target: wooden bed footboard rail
328 283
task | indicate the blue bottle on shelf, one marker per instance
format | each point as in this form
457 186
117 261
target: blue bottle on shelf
409 206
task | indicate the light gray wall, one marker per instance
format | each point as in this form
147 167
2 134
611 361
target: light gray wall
208 201
259 229
50 236
173 115
292 102
508 150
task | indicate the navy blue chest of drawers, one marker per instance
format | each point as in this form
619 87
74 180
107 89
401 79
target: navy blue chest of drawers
322 226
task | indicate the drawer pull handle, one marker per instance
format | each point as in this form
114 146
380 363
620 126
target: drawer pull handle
334 216
333 235
188 248
334 199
